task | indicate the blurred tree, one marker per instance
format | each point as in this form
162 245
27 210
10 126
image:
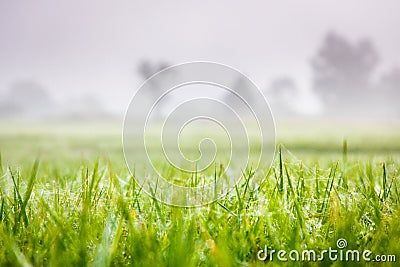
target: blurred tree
283 87
240 92
342 71
282 93
26 98
146 69
29 94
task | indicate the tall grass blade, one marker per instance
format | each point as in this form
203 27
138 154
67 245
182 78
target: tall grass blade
280 170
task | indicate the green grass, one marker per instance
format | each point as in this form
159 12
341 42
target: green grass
79 206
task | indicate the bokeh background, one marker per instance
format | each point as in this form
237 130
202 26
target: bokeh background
328 68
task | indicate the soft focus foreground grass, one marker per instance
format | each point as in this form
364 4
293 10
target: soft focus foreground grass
80 206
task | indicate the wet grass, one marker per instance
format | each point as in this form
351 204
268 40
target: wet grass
78 205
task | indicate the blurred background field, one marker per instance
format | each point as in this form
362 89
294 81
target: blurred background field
309 140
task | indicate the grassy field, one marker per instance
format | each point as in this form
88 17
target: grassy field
67 199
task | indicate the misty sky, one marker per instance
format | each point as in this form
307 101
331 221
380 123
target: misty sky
76 48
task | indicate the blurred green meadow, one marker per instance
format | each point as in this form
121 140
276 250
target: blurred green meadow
68 199
311 140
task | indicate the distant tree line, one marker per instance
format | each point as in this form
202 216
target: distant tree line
27 99
344 80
